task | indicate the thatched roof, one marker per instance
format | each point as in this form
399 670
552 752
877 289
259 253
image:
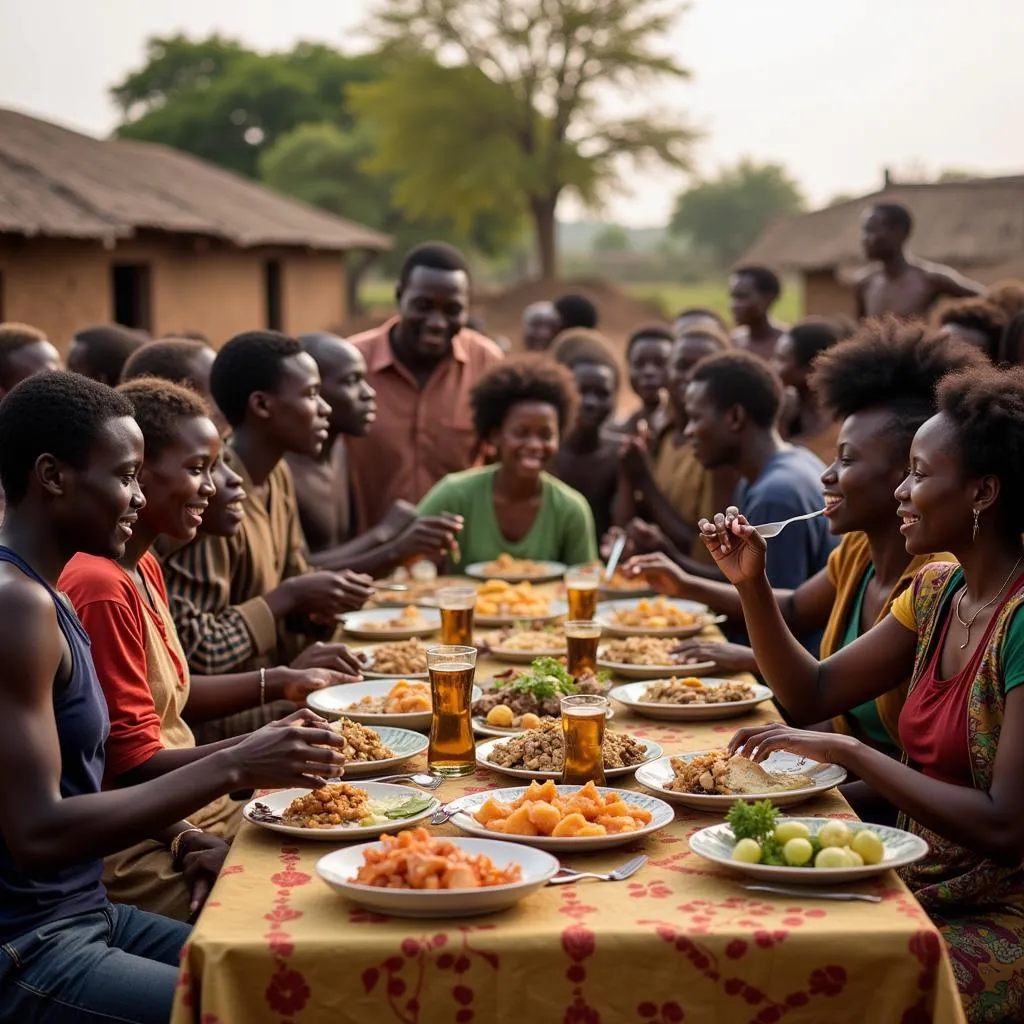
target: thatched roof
59 183
973 223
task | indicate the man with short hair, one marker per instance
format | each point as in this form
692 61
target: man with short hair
541 323
101 352
576 311
732 402
322 485
24 352
244 602
902 284
753 290
422 364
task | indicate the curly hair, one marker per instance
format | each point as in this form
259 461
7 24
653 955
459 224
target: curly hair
986 405
160 405
528 378
576 311
107 348
60 414
1008 295
893 363
702 313
764 279
248 363
169 359
896 216
977 315
812 336
739 378
13 338
579 345
650 332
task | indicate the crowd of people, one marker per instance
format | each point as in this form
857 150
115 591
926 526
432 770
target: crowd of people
185 522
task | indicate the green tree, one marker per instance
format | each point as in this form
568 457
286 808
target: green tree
508 117
612 238
726 214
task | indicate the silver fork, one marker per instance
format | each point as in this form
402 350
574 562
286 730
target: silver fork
815 894
421 779
769 530
568 875
443 813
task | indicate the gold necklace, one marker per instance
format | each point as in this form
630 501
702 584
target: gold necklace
963 594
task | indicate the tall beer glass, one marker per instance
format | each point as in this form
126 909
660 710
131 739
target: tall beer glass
457 604
581 637
452 750
583 718
581 590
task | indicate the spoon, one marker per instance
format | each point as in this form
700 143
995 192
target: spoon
769 530
613 559
394 588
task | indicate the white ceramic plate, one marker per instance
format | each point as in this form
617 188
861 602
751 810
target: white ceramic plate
661 815
547 571
405 743
369 654
655 775
481 728
338 869
556 609
355 624
279 800
630 693
607 610
648 672
483 752
526 657
901 848
337 701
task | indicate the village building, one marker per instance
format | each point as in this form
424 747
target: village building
108 230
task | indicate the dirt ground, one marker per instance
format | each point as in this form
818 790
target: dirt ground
501 313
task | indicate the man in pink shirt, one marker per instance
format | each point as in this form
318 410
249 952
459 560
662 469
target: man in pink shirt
423 365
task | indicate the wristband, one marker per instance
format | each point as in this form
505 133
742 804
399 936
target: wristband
176 843
263 687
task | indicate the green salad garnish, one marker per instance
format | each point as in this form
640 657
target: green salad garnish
547 677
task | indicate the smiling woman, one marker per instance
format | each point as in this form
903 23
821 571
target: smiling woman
521 407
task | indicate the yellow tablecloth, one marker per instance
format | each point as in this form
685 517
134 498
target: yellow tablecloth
680 941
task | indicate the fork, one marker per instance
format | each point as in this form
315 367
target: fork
769 530
814 894
566 876
421 779
443 813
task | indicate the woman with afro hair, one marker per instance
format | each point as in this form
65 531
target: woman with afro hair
521 409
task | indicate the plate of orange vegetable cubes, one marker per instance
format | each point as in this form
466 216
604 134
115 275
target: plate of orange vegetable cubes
562 818
415 874
502 604
402 703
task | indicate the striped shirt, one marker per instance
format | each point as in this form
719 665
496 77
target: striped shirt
216 585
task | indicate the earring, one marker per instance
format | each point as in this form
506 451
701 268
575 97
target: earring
974 532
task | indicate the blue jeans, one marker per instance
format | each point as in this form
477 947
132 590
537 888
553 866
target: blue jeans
116 964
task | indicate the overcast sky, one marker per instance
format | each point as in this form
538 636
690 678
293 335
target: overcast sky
834 89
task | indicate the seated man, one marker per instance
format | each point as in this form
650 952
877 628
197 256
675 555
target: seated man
245 602
323 485
101 352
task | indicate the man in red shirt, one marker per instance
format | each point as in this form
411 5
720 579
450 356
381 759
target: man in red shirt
423 364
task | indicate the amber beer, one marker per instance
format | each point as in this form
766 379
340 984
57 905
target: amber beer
581 589
581 637
452 750
583 718
457 604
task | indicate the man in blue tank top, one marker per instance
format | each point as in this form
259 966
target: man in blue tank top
69 458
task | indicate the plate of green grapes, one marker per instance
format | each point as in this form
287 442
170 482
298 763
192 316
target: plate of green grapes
756 840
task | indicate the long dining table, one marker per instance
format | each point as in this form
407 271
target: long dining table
681 940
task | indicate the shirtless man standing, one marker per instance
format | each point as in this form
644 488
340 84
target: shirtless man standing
902 284
753 290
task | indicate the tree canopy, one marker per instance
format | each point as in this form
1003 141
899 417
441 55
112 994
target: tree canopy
725 214
492 105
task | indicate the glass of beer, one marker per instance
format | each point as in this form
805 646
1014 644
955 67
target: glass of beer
452 750
457 604
581 637
583 718
581 589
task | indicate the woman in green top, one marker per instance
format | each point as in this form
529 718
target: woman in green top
521 408
881 385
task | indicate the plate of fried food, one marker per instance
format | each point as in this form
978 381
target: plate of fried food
400 658
369 751
401 703
562 819
521 699
621 586
516 570
540 753
522 646
655 616
340 812
757 842
648 657
499 603
415 874
383 623
688 698
712 780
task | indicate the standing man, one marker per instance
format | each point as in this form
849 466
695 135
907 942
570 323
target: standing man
753 290
541 323
101 352
422 365
901 284
24 352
